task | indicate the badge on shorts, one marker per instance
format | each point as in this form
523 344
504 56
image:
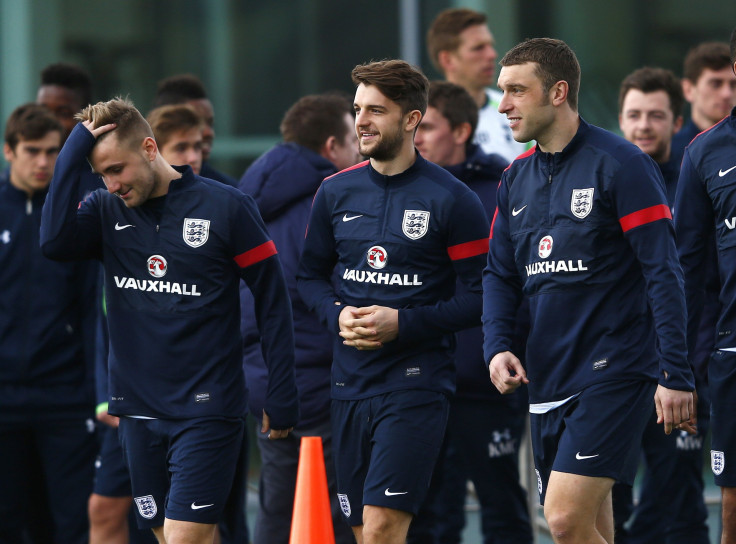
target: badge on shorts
344 504
717 461
416 223
539 482
582 202
196 231
146 506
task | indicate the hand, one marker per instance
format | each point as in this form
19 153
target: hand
107 419
506 371
369 327
675 409
99 131
274 434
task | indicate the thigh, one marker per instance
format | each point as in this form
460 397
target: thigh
16 452
407 430
67 448
145 454
722 379
202 457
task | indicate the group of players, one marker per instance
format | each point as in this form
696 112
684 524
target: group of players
367 331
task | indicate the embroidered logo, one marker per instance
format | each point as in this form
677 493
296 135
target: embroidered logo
545 246
717 462
196 231
146 506
416 223
157 266
581 203
344 504
377 257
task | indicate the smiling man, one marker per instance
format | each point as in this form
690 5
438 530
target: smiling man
174 248
584 230
400 231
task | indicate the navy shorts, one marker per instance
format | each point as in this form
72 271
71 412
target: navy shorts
597 434
385 449
111 473
180 469
722 380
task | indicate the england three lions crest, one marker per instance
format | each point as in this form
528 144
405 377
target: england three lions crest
582 202
416 223
196 231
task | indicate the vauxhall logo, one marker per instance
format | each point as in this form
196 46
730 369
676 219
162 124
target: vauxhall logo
731 223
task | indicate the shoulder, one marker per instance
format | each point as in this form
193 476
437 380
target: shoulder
355 172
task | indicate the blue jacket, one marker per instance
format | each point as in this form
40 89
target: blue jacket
683 137
283 181
705 206
208 172
46 317
172 270
586 234
398 241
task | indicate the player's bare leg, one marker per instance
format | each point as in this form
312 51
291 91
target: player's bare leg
578 509
728 515
383 525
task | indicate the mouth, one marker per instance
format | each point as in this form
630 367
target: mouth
514 122
125 194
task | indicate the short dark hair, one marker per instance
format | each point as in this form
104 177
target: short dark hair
166 120
733 46
179 89
69 76
397 80
444 34
555 62
314 118
455 104
650 79
30 122
710 55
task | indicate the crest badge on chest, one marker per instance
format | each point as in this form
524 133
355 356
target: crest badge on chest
196 231
581 203
415 224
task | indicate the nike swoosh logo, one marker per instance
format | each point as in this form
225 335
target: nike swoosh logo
198 506
722 173
118 226
345 217
516 212
390 494
581 457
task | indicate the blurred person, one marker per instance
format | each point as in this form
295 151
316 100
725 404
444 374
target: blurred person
484 428
178 132
650 113
462 47
189 89
709 85
47 327
65 89
319 139
582 229
705 226
399 231
175 350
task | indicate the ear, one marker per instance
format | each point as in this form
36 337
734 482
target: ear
413 118
620 124
687 89
328 148
461 133
444 59
8 152
150 148
678 124
558 93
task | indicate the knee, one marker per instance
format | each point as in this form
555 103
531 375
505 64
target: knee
106 511
562 524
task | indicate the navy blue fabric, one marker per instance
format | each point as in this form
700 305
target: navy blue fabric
207 171
283 182
359 224
599 294
175 349
683 137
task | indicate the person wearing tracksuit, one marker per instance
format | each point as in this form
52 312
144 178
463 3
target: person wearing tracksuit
583 229
174 247
398 230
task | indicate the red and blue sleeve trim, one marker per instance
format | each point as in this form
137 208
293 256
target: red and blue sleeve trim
647 215
256 255
468 249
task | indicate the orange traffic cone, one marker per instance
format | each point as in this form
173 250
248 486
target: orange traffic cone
311 522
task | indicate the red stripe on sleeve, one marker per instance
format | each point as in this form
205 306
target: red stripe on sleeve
647 215
256 255
468 249
495 214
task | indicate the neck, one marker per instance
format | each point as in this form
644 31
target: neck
398 164
478 94
702 122
560 132
164 174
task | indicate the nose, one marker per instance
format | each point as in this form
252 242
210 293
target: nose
504 105
112 186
